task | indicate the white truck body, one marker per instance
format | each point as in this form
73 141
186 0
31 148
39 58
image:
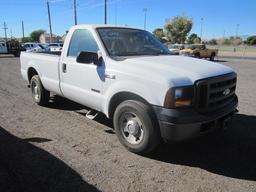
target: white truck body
3 48
147 76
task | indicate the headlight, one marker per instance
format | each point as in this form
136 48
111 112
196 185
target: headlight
179 97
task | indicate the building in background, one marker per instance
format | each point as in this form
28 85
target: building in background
46 38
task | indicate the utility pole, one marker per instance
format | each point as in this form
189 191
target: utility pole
105 12
75 13
145 17
50 23
22 25
201 32
224 34
237 29
11 32
5 29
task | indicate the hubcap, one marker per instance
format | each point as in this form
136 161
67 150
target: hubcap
35 91
131 128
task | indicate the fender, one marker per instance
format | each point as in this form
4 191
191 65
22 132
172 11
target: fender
140 89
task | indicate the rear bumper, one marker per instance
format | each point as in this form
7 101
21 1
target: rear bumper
182 124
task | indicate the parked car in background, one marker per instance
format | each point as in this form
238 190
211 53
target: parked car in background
11 47
55 47
131 77
199 51
28 46
38 48
175 48
3 48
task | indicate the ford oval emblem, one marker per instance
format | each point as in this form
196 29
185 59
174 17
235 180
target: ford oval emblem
226 92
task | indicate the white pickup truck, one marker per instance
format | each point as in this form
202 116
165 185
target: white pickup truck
129 76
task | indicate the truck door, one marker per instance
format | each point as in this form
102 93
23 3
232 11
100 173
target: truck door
82 82
204 52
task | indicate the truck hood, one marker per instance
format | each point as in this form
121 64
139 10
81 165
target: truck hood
177 69
187 51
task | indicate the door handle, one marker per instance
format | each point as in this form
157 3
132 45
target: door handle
64 67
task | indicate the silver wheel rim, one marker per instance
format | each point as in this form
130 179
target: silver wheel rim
131 128
35 91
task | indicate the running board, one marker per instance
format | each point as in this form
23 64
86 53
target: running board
91 114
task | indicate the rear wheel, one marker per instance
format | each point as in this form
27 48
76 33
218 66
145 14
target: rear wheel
212 57
39 94
197 55
136 126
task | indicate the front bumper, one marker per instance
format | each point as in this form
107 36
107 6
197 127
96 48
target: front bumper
186 123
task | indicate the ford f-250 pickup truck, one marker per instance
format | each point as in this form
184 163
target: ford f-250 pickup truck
129 76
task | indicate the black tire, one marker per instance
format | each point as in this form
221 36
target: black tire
197 55
212 57
39 94
151 136
16 54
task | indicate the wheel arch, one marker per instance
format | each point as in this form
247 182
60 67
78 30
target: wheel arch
31 72
119 97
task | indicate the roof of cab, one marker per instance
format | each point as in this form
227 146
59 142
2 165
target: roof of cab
94 26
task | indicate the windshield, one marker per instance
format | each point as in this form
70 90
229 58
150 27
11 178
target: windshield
130 42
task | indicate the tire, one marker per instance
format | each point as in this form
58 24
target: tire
39 94
212 57
143 135
197 55
16 54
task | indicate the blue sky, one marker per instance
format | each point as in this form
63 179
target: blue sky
220 16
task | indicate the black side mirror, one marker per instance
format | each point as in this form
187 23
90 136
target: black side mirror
88 58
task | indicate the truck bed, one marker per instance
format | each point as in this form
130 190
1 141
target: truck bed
46 64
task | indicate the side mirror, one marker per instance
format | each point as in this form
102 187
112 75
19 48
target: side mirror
88 58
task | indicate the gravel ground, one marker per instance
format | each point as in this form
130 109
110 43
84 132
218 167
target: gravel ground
56 148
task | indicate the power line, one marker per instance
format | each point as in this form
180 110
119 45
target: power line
75 13
5 29
50 23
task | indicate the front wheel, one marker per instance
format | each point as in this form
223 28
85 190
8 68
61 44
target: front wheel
39 94
136 126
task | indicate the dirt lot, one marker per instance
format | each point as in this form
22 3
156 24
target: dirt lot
57 149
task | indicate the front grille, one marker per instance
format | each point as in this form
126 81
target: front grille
215 93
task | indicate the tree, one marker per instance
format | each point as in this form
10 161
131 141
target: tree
194 39
212 42
159 33
230 41
26 39
36 34
251 40
177 28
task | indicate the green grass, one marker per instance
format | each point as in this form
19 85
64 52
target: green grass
238 48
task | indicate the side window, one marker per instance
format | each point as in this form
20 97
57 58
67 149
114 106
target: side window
82 40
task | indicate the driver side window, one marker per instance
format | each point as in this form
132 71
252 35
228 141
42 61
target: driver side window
82 40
